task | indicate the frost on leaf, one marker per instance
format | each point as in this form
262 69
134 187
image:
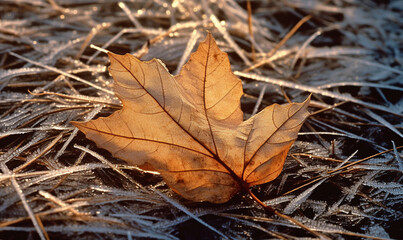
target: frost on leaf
190 127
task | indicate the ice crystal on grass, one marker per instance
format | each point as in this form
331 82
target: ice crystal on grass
56 184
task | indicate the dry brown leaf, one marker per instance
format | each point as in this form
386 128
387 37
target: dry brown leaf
190 127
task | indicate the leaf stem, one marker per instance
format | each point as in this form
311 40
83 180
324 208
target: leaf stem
273 211
269 210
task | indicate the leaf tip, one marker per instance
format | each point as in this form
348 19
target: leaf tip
210 40
111 55
84 127
114 58
306 102
78 125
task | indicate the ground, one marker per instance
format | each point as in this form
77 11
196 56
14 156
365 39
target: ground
342 178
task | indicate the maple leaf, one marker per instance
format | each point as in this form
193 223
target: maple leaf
190 127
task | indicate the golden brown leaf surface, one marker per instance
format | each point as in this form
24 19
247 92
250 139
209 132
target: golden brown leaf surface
190 127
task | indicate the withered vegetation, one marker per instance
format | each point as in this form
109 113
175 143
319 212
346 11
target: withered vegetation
342 178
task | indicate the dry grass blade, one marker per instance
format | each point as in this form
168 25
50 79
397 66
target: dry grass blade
61 72
107 163
37 225
335 95
182 208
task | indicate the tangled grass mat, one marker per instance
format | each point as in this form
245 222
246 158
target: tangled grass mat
342 178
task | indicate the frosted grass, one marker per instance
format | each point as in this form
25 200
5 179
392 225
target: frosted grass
347 55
